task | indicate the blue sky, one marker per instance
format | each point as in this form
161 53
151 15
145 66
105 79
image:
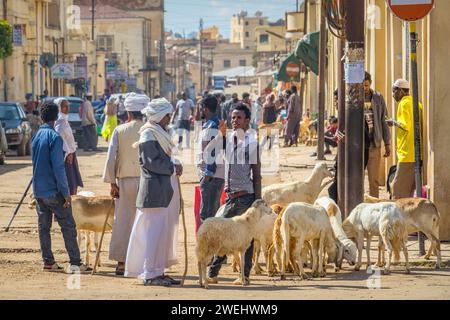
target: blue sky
186 14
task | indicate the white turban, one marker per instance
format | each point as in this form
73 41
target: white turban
136 102
402 84
157 109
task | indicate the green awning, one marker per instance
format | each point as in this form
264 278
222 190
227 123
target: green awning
307 51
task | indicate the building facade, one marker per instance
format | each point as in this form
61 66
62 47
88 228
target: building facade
243 29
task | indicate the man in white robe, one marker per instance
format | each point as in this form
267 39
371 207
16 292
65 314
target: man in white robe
122 172
153 241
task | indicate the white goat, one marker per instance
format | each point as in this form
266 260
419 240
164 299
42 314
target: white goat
365 222
299 191
334 214
421 215
222 236
307 222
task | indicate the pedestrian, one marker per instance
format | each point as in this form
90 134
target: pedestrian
51 191
212 172
403 185
294 114
153 241
184 114
110 122
258 111
330 135
269 110
242 180
122 173
62 127
377 131
89 124
228 106
222 102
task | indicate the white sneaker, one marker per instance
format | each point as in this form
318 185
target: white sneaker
71 269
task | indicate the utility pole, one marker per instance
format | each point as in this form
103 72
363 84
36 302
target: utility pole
416 115
94 79
354 108
162 72
322 71
5 65
303 69
201 55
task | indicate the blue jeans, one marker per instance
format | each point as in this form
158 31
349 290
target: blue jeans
235 207
45 209
211 192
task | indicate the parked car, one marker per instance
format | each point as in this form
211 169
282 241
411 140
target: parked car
3 143
17 127
74 118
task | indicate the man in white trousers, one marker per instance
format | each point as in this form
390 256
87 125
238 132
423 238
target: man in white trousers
122 172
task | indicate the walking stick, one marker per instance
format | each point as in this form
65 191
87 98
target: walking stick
184 231
97 256
18 206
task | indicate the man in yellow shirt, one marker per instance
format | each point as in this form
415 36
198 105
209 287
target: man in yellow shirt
403 184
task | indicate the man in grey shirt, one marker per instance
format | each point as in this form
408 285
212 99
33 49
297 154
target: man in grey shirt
184 113
242 180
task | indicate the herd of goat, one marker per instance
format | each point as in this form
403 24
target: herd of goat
293 227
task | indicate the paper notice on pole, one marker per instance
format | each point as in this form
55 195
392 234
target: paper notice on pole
409 2
354 72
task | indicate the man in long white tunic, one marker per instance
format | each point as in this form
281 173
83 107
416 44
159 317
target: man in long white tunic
153 241
122 172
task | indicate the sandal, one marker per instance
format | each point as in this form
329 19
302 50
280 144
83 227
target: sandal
120 271
52 267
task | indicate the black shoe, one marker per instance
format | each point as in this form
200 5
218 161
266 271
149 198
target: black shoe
314 154
172 280
327 152
158 281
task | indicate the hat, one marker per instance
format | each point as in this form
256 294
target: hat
136 102
157 109
402 84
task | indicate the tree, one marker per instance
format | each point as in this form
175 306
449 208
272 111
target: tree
6 47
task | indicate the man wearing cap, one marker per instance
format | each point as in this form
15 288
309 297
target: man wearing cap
122 172
89 124
153 240
403 184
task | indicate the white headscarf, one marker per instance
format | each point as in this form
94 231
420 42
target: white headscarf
62 126
136 102
155 111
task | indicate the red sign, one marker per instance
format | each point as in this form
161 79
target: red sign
292 69
411 10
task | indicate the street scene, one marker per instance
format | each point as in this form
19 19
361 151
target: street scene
217 150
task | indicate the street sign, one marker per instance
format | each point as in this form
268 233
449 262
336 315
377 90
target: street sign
411 10
292 69
47 60
62 71
81 67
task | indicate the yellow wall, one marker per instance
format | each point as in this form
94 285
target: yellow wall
275 43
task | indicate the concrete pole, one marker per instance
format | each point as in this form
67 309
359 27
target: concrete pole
322 75
5 65
354 109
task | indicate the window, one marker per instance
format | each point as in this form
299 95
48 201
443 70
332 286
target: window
242 63
247 34
263 38
226 63
105 43
261 23
53 16
246 23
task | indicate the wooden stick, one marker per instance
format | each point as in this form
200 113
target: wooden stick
94 270
185 233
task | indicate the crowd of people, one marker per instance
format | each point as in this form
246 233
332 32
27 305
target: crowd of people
143 173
